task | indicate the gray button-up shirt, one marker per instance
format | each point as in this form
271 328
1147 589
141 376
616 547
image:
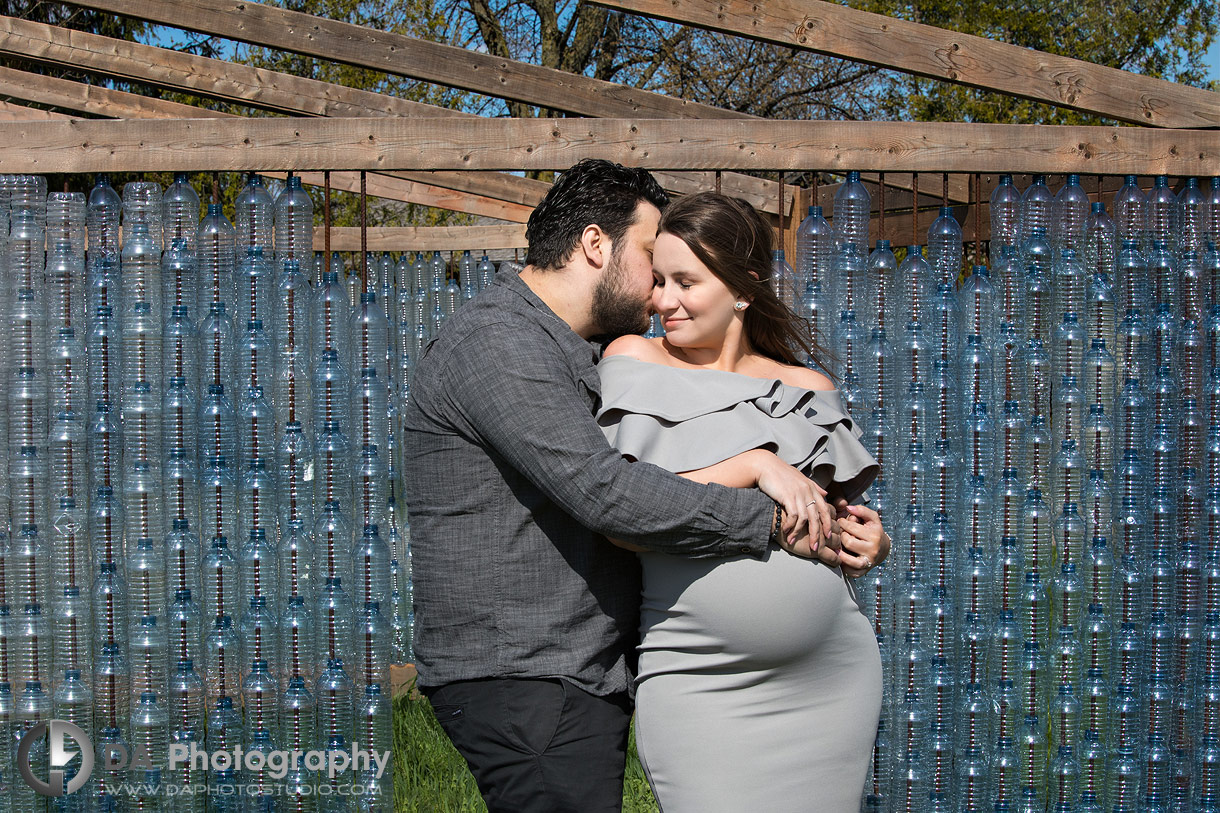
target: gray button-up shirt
509 483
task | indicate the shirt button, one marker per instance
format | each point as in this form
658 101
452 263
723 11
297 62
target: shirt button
746 549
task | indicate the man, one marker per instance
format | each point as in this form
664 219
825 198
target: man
525 618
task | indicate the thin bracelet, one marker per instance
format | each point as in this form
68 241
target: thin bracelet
775 529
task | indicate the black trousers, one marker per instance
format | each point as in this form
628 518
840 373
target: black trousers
538 745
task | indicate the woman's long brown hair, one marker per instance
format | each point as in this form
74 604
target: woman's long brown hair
736 244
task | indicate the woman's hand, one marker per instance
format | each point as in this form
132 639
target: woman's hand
797 495
865 542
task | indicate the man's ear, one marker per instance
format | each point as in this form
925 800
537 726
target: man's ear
595 244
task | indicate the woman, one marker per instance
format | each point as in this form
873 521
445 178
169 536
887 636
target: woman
759 680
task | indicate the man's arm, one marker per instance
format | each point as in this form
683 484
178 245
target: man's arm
515 392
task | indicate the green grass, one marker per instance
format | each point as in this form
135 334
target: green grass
430 776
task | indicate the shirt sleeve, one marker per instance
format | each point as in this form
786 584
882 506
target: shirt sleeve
517 394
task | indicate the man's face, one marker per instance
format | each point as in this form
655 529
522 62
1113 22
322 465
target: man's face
622 297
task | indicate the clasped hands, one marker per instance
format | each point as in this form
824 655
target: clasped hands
843 535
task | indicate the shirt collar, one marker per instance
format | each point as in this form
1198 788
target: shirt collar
572 341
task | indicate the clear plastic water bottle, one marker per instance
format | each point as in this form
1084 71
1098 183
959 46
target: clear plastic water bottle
815 247
1005 215
256 424
216 338
815 309
1068 215
335 695
180 212
217 425
1037 375
783 279
297 653
293 223
1163 269
1070 284
291 334
916 284
372 646
979 305
217 257
852 209
294 461
333 620
1163 212
1039 276
945 247
1191 215
255 286
221 580
102 217
372 480
484 273
65 212
148 645
111 682
146 580
1036 203
259 570
333 479
253 212
1131 211
1133 286
877 370
1101 317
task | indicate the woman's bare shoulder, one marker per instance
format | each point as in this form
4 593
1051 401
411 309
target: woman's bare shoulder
803 377
637 347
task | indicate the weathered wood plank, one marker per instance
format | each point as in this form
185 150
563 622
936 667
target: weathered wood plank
16 112
69 95
424 238
284 93
506 144
392 187
365 47
923 50
397 54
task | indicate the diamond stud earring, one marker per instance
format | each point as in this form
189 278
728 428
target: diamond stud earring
739 306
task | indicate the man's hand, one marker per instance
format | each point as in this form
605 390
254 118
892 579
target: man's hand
815 546
865 542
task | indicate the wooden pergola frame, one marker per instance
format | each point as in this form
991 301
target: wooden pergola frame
439 157
389 144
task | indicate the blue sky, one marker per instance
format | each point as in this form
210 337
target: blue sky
1213 59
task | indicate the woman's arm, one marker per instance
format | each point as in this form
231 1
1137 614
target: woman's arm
751 468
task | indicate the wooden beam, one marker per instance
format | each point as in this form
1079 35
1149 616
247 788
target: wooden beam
93 99
424 238
506 144
401 55
231 82
923 50
391 187
396 54
69 95
16 112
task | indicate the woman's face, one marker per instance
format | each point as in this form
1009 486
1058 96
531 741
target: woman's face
695 306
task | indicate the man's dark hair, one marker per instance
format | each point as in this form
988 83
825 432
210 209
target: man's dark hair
592 191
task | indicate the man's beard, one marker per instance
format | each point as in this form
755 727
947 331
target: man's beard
615 311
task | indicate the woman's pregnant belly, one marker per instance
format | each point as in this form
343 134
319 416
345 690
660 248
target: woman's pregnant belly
742 613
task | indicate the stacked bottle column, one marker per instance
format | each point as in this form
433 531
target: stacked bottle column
70 584
1084 575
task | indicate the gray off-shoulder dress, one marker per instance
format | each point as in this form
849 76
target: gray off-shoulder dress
759 680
